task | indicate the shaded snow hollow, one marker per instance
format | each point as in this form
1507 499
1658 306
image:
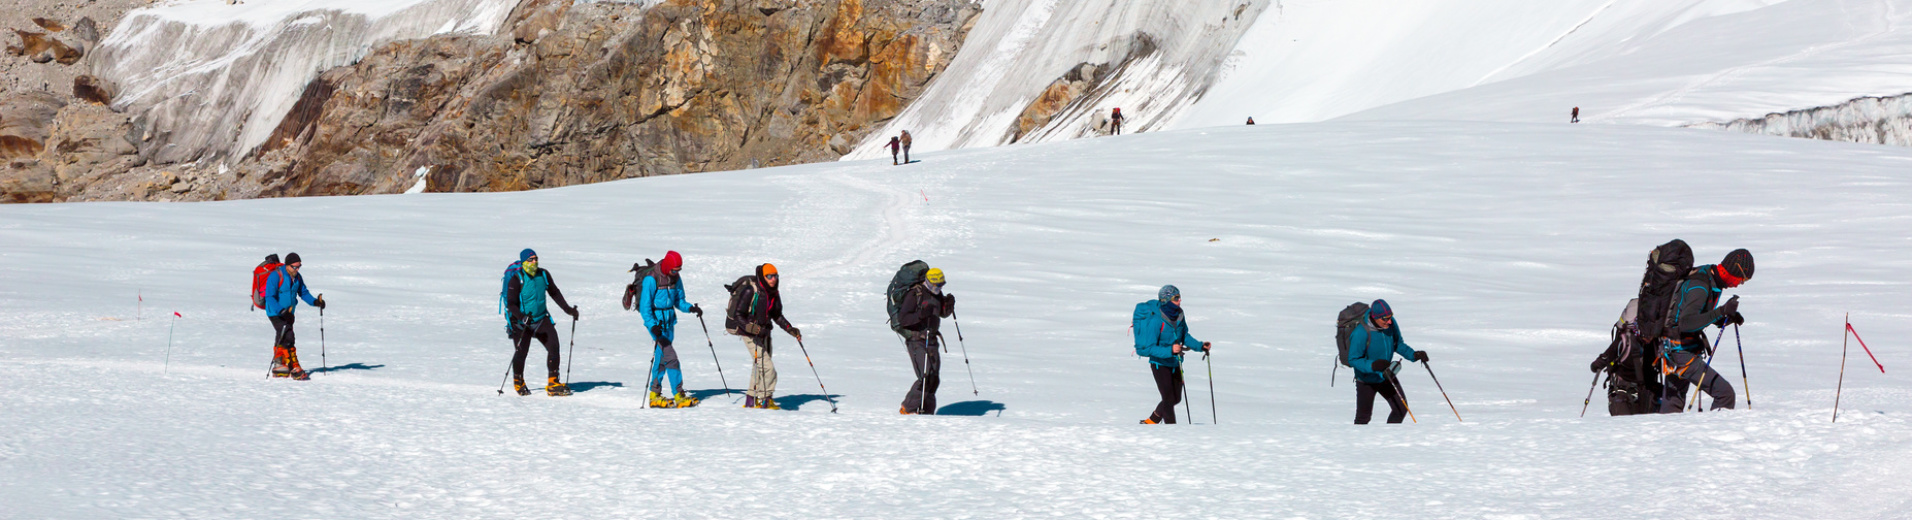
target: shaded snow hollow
1506 250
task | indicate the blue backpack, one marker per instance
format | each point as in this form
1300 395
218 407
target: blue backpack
511 329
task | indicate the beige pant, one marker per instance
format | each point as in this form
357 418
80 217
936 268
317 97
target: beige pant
763 373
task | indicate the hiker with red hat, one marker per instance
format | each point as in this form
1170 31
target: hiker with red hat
1693 311
1115 121
754 304
661 297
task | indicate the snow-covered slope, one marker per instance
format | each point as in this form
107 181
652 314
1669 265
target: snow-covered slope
1506 250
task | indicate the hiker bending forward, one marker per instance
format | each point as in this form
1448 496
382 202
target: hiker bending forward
1371 349
1161 335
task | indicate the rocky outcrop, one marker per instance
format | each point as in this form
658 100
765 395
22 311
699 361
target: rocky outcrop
1874 120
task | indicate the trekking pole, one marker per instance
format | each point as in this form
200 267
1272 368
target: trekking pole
650 379
1182 379
813 371
168 366
1336 370
1595 384
1845 336
507 378
1211 388
571 357
1398 394
713 355
1742 368
1450 401
1705 368
323 367
959 343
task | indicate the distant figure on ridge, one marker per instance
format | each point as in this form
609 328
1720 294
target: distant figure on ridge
894 146
905 141
1576 115
1251 121
1115 121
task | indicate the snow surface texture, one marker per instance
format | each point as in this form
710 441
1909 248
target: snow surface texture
1653 62
215 79
1505 249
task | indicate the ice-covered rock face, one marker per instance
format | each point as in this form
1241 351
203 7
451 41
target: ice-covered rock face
212 80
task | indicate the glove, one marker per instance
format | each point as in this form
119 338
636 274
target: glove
1598 365
573 312
657 332
699 311
1735 319
1206 346
518 320
1731 306
1380 365
1420 355
753 329
320 303
797 333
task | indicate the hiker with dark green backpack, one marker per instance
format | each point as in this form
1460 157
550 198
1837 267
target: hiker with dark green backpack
917 306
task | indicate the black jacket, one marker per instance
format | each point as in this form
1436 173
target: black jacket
922 312
1695 306
759 304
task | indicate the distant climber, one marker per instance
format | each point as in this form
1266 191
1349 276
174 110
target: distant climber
905 141
1576 115
1115 121
894 146
1251 121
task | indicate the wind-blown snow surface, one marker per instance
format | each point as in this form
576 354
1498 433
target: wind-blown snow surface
1506 250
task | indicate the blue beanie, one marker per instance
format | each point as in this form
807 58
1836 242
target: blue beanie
526 254
1379 309
1168 292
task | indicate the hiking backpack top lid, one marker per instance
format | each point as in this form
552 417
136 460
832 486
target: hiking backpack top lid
909 275
1344 325
1666 266
259 276
639 271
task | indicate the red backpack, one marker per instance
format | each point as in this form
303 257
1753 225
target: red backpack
259 275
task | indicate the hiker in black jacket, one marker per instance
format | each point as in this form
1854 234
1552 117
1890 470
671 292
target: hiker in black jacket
756 304
1693 311
921 315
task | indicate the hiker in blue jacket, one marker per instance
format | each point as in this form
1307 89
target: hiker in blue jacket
660 299
284 288
1371 349
1161 335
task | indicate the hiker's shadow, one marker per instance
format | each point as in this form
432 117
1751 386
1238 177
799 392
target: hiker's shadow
706 394
353 366
592 385
972 408
795 401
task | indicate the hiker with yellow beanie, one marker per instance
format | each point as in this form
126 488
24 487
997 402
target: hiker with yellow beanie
754 304
920 316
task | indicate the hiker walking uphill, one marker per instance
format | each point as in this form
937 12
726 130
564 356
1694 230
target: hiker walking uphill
1371 350
1161 335
526 287
755 303
659 298
280 297
919 306
905 141
1115 121
894 146
1693 310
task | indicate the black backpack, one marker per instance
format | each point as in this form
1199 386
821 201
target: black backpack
738 305
1666 267
1344 325
637 282
906 277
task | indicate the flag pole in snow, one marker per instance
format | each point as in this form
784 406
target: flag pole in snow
1847 335
168 365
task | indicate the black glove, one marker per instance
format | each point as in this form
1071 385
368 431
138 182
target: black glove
573 312
1380 365
949 304
519 320
657 332
320 303
699 311
1420 355
1598 365
795 332
1731 306
1735 319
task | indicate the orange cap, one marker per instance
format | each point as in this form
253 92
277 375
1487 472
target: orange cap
766 270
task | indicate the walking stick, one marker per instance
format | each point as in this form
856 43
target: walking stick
650 380
713 355
1181 378
1333 371
1595 384
959 343
813 371
1211 388
1742 368
323 367
1705 368
1399 394
571 357
501 382
1845 337
1450 402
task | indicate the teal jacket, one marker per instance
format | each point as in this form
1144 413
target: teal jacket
660 305
1367 344
1156 334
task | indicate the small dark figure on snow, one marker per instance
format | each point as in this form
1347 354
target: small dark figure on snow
1251 121
921 315
1161 335
283 290
905 141
525 295
1693 311
1576 115
1371 348
894 145
1115 121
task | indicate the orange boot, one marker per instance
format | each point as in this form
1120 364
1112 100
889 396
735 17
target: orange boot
292 365
279 368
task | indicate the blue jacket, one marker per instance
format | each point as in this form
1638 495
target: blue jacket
660 306
1367 344
1156 335
282 295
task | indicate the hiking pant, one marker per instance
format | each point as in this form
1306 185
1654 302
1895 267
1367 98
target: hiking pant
282 330
906 154
1689 368
1168 382
544 332
892 156
763 373
1364 401
664 365
929 367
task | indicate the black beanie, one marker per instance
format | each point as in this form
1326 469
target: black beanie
1739 263
293 258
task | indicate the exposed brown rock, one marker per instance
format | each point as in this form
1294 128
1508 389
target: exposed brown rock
25 121
93 90
51 25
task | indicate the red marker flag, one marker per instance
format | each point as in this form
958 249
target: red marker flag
1862 344
176 314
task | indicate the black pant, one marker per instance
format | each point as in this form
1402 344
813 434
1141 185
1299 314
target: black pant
929 367
1168 382
1364 401
544 332
282 330
906 154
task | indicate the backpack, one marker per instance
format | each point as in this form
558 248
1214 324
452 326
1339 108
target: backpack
1344 325
1631 387
738 306
259 276
906 277
504 284
1666 267
638 273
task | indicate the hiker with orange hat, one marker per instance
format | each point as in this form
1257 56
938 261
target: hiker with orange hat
754 304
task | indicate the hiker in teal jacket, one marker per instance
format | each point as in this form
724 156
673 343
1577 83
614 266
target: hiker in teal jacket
1371 349
1161 335
659 301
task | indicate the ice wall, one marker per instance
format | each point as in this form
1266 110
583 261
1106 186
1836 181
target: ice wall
1873 120
213 79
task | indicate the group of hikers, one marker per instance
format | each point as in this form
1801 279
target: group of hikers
900 143
1658 347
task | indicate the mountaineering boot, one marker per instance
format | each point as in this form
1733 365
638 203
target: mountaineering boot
556 389
517 383
903 410
658 401
292 365
1149 421
750 401
279 368
685 401
768 404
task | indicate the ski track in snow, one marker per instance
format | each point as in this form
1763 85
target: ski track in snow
1506 249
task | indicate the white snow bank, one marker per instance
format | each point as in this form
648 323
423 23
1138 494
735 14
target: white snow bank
1505 249
214 79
